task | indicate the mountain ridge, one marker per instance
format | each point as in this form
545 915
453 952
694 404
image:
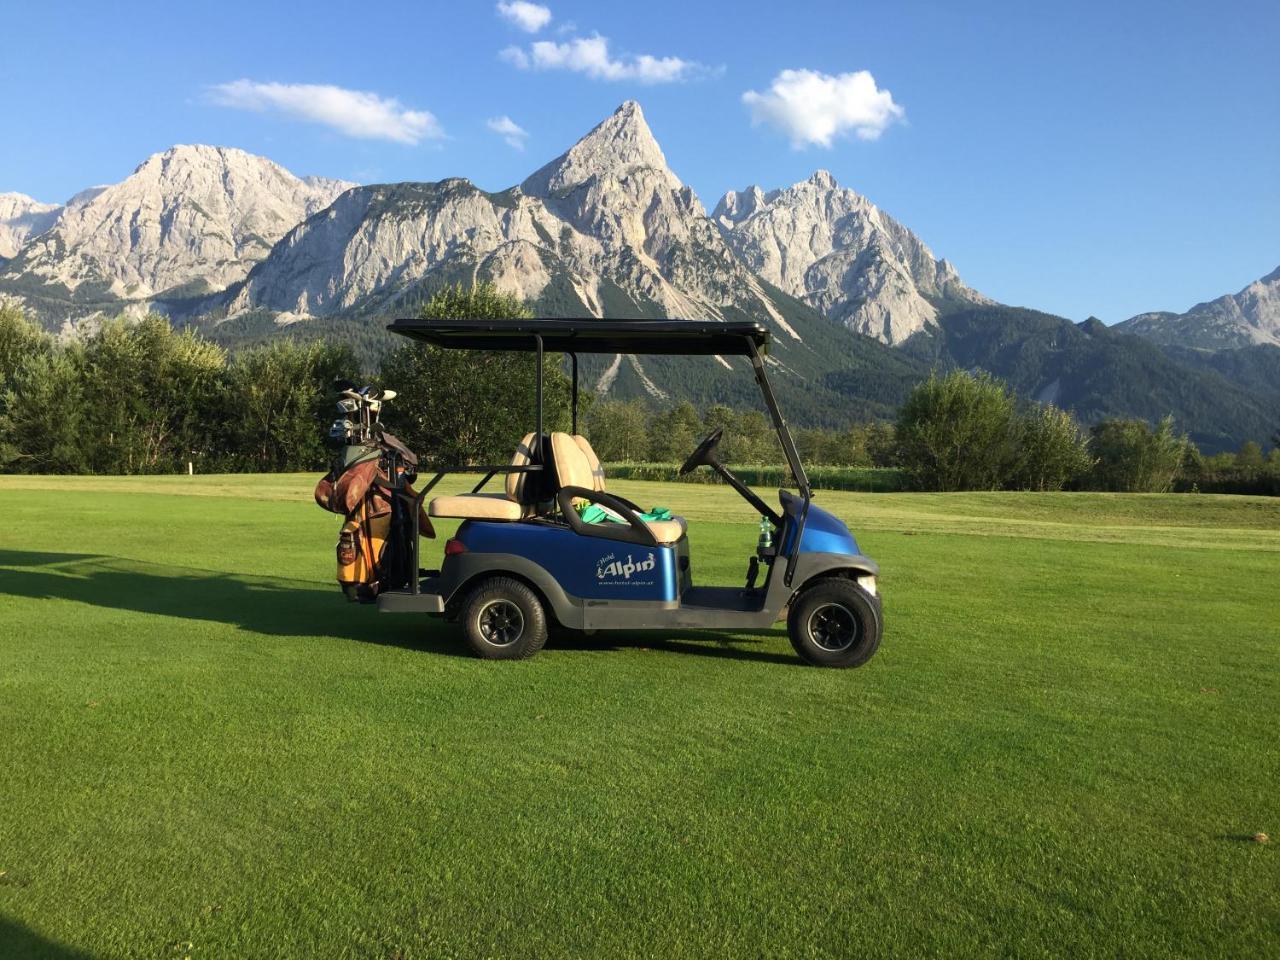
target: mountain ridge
192 216
859 306
1251 316
836 250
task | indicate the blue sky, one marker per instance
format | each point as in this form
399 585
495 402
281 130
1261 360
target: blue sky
1084 158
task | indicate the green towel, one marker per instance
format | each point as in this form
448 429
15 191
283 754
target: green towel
594 513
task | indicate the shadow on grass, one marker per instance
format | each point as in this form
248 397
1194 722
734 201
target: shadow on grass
21 943
281 607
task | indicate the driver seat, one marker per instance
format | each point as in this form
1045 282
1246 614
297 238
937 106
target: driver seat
577 465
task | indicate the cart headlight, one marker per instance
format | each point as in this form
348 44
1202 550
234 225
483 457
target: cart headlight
868 583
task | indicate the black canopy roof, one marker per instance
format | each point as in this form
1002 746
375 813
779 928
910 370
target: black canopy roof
680 337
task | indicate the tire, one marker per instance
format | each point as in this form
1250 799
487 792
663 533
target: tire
504 620
835 623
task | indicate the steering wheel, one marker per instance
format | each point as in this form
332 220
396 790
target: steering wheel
703 452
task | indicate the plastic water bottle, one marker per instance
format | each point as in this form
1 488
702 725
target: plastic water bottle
766 534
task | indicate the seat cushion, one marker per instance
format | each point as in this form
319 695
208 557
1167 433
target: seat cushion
476 506
667 531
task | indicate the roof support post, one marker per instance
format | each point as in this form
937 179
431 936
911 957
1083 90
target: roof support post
537 437
573 359
780 425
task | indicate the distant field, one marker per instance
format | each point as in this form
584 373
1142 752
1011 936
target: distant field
856 479
1061 749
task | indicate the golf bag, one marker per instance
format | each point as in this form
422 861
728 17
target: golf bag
370 484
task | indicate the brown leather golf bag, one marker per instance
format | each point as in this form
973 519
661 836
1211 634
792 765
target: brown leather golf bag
370 485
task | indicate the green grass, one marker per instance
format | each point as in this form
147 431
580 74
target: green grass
1060 749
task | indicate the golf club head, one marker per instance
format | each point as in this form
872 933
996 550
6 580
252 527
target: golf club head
343 428
388 395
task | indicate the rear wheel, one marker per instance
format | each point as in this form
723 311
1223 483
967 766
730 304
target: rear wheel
834 623
504 620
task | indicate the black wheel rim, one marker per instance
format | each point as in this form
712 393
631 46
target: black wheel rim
833 627
501 623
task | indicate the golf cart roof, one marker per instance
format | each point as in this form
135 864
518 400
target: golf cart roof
677 337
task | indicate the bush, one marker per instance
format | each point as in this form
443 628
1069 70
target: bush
1053 449
957 433
1130 457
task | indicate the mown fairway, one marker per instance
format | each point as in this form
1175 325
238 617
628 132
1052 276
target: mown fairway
1061 748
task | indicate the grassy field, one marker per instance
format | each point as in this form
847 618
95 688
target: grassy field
1062 748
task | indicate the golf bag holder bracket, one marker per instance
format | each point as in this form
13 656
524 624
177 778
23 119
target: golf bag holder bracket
415 502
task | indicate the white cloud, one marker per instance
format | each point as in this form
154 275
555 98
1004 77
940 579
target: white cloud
509 130
352 112
529 17
811 107
590 56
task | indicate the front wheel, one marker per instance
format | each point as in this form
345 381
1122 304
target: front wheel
834 623
504 620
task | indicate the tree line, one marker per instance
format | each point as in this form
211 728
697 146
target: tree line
141 397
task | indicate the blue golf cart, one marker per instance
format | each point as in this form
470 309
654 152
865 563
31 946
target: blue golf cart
553 545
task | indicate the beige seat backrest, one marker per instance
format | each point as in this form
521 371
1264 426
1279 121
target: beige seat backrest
516 481
597 469
572 467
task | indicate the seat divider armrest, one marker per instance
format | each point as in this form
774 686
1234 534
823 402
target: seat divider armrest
636 530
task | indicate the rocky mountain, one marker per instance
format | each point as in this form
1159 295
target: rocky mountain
860 308
1249 317
22 217
604 229
837 251
190 220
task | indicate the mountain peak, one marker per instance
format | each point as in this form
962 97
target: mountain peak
823 180
22 217
182 155
190 214
619 144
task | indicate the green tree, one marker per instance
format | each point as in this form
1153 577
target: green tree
754 439
957 433
153 397
470 406
882 444
280 397
748 435
1130 457
849 448
42 415
1052 449
19 340
1250 462
674 433
618 430
813 445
